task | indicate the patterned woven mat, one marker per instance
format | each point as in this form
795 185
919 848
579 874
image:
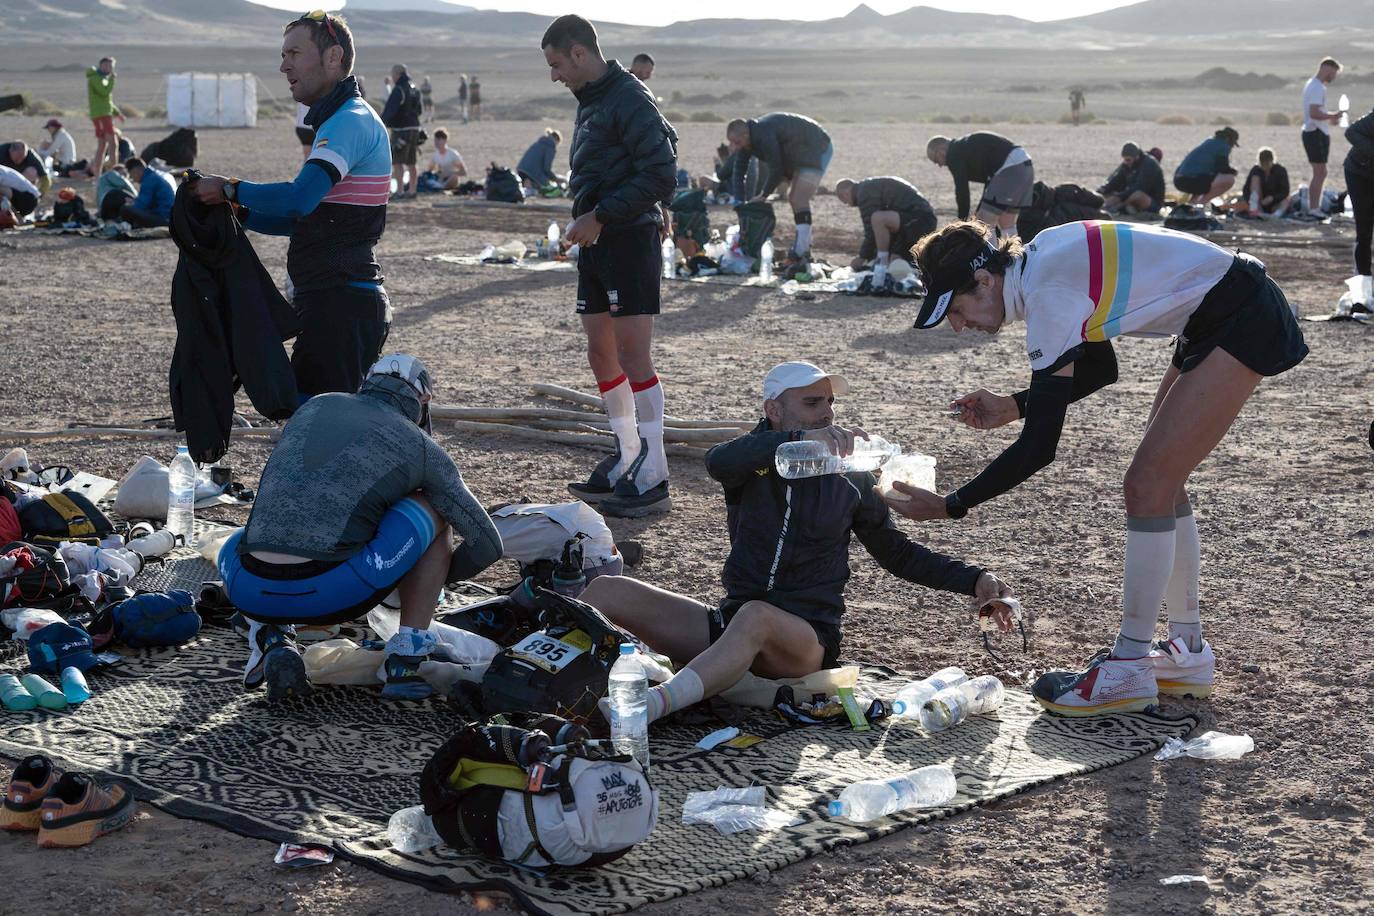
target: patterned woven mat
177 726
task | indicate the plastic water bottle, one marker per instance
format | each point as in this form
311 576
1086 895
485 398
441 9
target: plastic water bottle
155 544
808 458
181 497
74 686
669 251
766 261
928 787
1344 108
553 235
913 696
954 704
411 830
1208 746
629 693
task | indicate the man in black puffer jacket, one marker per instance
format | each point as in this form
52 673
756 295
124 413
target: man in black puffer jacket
795 148
789 556
624 174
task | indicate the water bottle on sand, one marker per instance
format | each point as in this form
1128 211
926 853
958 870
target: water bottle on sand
953 705
807 458
928 787
913 696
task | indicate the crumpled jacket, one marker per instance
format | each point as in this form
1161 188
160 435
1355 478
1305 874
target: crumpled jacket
231 321
785 143
623 153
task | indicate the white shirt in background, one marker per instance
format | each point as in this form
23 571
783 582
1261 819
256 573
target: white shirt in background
1314 93
61 148
446 163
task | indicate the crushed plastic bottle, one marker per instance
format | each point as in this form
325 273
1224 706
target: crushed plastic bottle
909 700
913 469
808 458
953 705
1208 746
411 830
928 787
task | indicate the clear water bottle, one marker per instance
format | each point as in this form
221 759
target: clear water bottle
181 497
928 787
766 261
1344 108
913 696
74 686
954 704
629 693
808 458
411 830
553 235
669 252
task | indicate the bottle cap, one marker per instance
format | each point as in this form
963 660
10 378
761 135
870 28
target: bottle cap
836 808
627 648
898 707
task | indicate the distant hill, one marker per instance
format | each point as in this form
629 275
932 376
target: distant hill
441 24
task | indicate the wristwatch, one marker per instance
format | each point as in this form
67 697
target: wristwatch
231 190
953 507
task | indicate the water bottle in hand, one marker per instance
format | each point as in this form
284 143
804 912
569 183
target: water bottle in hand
411 830
181 497
808 458
928 787
913 696
629 693
669 252
953 705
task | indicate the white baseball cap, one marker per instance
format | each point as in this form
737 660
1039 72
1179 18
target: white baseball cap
799 374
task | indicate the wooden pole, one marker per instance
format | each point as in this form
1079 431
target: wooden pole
594 441
104 432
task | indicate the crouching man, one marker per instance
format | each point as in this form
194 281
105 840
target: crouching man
789 556
356 501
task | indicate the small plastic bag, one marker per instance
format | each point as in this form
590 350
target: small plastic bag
732 811
1208 746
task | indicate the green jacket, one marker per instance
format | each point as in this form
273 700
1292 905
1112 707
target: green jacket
99 93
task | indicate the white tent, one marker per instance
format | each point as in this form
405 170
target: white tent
212 100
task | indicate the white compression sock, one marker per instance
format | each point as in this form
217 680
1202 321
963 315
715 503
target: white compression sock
1149 562
803 239
1181 595
648 396
678 692
620 409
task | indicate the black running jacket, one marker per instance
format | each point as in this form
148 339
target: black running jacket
789 539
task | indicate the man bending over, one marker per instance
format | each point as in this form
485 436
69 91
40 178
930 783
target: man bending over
894 216
356 500
789 556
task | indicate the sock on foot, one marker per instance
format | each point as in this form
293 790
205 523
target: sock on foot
678 692
1181 595
803 239
619 401
1149 563
648 398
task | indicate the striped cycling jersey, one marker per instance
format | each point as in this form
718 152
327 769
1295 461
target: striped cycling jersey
335 244
1092 281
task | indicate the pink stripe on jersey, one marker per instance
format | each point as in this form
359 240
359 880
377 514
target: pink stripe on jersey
361 190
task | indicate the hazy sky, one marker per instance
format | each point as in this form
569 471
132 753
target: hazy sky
641 13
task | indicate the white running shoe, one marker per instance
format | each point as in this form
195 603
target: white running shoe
1107 685
1181 673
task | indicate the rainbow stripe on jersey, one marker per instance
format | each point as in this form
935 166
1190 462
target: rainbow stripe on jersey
1111 257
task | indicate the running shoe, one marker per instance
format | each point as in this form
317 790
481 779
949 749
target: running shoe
796 267
1107 685
1180 672
285 673
78 810
261 641
403 681
599 485
32 781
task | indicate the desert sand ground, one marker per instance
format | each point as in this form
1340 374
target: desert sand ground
1284 505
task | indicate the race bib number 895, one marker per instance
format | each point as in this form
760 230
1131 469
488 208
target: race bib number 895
548 652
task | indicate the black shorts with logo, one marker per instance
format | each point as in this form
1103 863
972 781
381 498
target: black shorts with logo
827 634
621 272
1248 316
1317 144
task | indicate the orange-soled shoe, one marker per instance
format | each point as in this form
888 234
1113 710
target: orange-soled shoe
32 781
78 810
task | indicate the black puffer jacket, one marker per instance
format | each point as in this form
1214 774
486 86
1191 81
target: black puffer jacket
785 143
789 539
623 153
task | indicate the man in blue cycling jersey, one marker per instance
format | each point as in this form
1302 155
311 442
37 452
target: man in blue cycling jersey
334 211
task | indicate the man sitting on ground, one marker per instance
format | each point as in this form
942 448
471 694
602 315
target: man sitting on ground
356 500
445 162
59 149
1004 169
18 195
1266 187
1137 185
789 556
1206 171
157 191
794 148
17 155
894 216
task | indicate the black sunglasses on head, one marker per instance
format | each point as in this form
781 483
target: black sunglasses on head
321 16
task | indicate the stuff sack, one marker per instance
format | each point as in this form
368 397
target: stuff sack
537 535
502 185
756 224
178 149
1188 218
533 791
153 619
1055 206
71 210
690 219
64 516
32 576
563 668
10 529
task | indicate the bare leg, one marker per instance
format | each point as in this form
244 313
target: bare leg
1220 185
763 639
667 622
886 224
634 337
1140 200
1314 190
602 349
419 589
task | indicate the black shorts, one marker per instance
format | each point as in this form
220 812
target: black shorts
23 202
915 226
405 146
827 634
1247 315
1194 184
342 334
1317 144
620 273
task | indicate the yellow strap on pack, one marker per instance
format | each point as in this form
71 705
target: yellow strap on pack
470 773
79 524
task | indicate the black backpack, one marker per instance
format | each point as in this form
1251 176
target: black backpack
1055 206
502 185
71 211
64 516
690 219
177 149
756 224
39 580
1189 218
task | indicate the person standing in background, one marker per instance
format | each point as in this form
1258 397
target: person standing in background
100 81
427 99
463 96
475 98
1316 128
